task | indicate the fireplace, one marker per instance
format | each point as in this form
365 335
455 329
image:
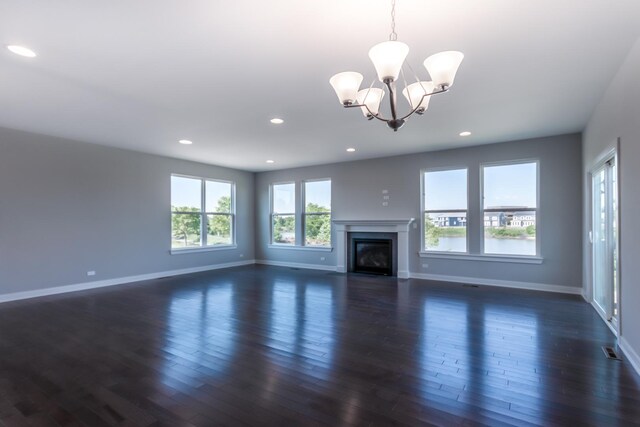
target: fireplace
373 253
395 229
374 256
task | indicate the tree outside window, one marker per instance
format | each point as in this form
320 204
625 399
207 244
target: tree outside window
317 213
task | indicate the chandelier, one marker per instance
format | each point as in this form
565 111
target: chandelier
388 58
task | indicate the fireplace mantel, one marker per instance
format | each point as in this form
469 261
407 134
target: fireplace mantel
399 226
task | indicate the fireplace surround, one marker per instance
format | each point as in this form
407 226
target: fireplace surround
398 228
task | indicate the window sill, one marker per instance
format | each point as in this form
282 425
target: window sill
302 248
203 249
523 259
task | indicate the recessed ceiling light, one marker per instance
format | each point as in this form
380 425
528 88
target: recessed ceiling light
351 150
277 121
465 133
270 161
185 142
21 50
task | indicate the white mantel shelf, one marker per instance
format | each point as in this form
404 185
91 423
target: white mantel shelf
374 222
399 226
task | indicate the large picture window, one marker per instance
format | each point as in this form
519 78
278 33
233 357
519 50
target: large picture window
317 213
283 213
202 213
510 204
445 210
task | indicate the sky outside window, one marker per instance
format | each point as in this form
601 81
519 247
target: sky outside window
510 185
185 192
284 199
445 190
319 193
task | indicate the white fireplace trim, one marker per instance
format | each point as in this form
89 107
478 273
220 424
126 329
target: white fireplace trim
399 226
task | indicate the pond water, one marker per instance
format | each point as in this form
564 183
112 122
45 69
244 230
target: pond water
491 246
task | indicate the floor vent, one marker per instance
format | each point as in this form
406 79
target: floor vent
470 286
610 353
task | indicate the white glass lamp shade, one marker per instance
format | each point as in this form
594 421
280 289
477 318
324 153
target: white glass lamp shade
388 58
414 93
442 67
346 86
371 98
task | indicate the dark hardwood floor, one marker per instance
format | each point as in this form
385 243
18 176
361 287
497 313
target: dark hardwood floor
274 346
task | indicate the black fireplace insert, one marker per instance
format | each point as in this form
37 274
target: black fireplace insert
373 256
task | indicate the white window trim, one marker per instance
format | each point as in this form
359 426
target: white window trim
181 251
506 257
518 259
203 214
423 172
301 248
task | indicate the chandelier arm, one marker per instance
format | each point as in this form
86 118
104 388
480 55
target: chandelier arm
442 90
373 116
392 98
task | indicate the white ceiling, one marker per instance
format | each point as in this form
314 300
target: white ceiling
142 74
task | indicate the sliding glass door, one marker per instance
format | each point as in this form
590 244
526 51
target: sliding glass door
605 240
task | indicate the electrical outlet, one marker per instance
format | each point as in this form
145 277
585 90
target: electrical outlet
241 255
322 258
91 273
425 265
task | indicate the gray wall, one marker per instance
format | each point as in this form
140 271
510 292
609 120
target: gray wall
357 194
617 116
68 207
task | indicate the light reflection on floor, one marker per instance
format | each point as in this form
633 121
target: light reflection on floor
200 332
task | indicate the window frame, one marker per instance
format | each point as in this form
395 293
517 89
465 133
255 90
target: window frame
303 215
204 219
483 165
272 214
424 212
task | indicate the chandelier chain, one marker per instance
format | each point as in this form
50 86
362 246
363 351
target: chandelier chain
393 36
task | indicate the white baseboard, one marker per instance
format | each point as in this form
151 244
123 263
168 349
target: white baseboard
585 297
630 353
117 281
297 265
603 317
499 283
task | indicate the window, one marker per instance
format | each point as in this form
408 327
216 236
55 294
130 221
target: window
510 194
202 213
317 213
283 213
445 210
